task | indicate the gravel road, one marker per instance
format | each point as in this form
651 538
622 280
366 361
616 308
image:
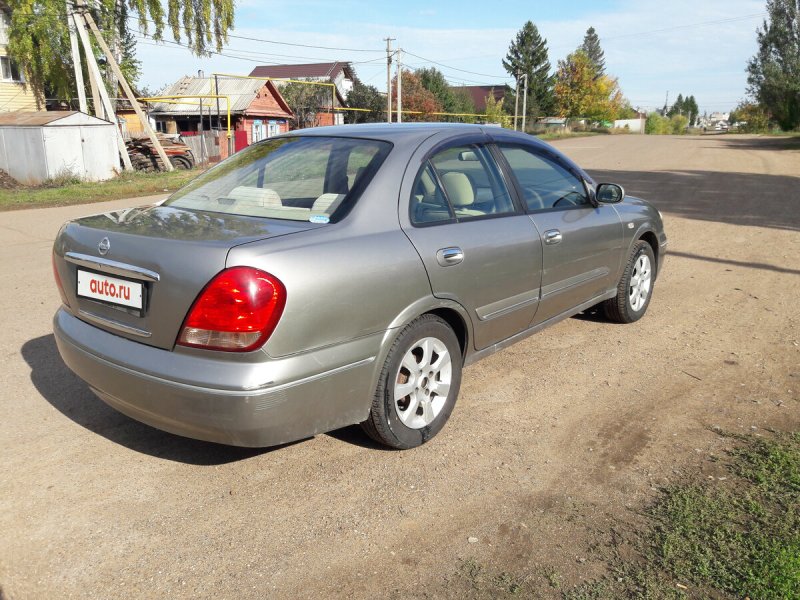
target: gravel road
552 441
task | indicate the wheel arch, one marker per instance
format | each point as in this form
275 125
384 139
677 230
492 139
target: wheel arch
451 312
650 237
456 322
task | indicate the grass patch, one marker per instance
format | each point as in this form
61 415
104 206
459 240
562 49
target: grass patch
480 582
568 134
744 538
67 190
733 537
736 538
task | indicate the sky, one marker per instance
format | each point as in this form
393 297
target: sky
692 47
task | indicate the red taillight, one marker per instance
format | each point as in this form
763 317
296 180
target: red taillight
237 311
57 277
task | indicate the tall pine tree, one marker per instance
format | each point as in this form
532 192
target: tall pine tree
591 46
773 74
677 108
527 55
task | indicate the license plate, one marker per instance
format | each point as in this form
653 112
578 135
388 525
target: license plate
110 289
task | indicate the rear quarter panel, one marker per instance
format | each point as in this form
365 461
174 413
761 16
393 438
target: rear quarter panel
341 284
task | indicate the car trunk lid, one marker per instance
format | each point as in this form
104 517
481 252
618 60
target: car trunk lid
136 272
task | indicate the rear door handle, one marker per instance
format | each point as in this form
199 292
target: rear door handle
449 256
552 236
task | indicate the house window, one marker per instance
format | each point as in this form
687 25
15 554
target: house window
5 23
9 70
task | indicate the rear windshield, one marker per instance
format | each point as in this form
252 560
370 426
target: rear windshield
295 178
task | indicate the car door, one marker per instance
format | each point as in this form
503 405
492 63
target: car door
582 242
478 247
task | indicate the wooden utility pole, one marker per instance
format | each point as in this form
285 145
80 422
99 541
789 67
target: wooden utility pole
76 60
94 75
125 87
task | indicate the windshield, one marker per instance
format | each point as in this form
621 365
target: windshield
295 178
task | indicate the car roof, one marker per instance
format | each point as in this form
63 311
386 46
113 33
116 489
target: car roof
409 132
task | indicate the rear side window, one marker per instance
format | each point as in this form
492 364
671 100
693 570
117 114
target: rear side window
298 178
462 182
545 183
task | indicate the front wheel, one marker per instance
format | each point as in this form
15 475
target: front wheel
418 385
635 288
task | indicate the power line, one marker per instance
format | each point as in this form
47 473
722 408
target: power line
687 26
428 60
265 41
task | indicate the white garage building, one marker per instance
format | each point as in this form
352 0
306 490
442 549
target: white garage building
37 146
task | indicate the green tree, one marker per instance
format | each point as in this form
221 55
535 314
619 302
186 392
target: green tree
463 104
657 124
39 37
678 124
580 92
367 97
773 74
677 108
751 118
417 99
626 111
433 80
307 103
591 46
692 110
494 111
527 55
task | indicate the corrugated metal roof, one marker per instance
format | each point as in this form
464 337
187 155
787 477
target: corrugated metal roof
42 118
242 92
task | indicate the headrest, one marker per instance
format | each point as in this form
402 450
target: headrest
459 189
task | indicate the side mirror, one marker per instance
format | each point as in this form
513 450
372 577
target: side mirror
609 193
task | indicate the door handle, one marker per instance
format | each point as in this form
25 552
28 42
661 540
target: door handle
553 236
449 256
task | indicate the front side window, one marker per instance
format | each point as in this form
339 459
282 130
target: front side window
545 183
296 178
462 182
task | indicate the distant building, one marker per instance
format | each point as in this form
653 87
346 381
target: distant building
258 110
14 94
340 74
479 93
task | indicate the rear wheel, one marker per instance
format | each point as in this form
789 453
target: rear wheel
418 385
635 288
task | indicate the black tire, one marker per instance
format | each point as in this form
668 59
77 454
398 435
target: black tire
180 162
384 424
619 308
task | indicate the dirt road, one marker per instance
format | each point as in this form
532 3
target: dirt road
552 441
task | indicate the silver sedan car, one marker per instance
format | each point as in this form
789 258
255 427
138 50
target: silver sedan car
343 275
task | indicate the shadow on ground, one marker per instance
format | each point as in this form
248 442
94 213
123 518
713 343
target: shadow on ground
734 198
789 142
73 398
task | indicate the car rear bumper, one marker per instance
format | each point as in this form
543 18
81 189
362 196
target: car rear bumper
300 395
